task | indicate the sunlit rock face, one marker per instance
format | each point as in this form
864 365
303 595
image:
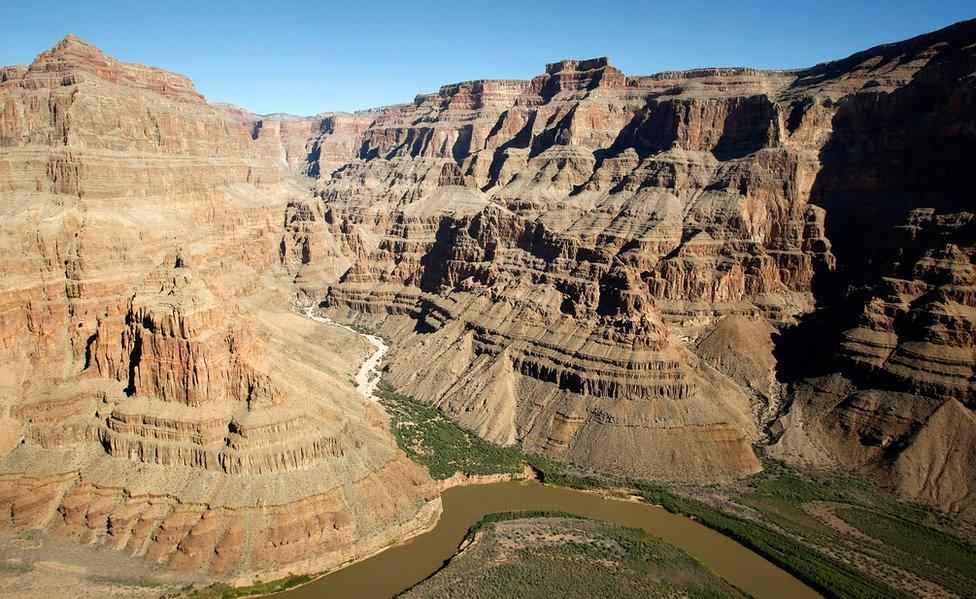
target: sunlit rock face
642 274
161 396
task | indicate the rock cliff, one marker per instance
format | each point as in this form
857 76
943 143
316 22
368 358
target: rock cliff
639 274
166 398
649 274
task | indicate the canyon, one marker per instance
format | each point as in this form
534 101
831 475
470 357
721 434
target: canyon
647 276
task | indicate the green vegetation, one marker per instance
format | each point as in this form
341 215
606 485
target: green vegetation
552 472
782 525
520 515
803 544
820 571
14 568
938 547
433 440
934 555
913 537
784 529
223 591
537 554
445 448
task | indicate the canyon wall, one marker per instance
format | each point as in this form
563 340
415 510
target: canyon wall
648 275
641 275
160 393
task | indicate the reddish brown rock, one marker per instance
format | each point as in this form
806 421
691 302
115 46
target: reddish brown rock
636 274
596 264
164 397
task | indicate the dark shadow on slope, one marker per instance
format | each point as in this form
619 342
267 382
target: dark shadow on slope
893 158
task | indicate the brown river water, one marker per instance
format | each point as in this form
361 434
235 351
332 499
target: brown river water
398 568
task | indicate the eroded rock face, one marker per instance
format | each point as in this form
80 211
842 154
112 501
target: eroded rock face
639 273
170 402
643 275
568 238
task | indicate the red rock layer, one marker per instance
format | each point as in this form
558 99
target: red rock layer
594 261
171 403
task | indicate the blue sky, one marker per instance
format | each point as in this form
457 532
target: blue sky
305 57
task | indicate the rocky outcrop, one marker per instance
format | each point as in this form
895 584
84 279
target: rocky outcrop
898 312
162 395
633 272
313 146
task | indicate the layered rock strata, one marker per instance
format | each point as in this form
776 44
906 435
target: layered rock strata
637 273
166 398
642 275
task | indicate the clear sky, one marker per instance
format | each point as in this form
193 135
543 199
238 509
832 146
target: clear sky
309 57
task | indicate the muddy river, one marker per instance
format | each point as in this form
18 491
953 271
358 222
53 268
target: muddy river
403 566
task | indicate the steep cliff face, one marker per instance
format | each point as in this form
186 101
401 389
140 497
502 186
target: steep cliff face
643 275
897 184
633 272
569 238
167 401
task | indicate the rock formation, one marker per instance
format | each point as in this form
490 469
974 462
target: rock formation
643 274
167 399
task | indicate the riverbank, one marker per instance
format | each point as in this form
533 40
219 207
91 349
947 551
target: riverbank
780 513
393 571
424 523
460 479
368 377
800 521
542 554
456 457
